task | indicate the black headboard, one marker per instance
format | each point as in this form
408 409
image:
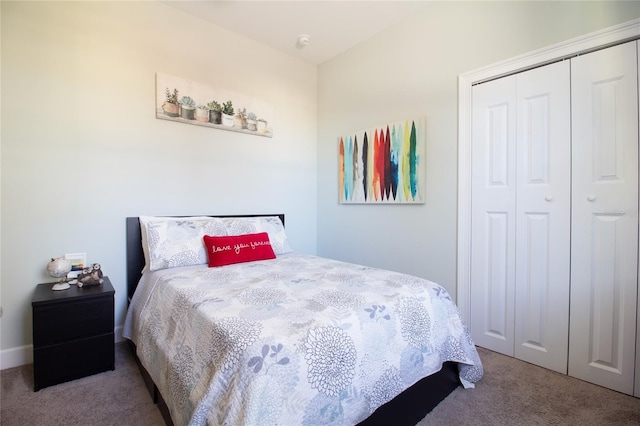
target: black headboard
135 256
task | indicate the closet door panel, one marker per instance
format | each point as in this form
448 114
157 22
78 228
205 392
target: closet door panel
637 371
543 220
493 215
605 217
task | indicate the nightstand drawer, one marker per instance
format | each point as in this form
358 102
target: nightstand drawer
60 363
73 320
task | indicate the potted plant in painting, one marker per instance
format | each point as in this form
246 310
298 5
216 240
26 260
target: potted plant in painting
171 107
216 112
187 107
252 121
227 114
202 113
241 118
262 125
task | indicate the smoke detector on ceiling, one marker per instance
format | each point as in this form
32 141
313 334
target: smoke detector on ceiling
303 41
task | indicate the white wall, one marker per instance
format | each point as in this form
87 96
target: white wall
409 70
82 149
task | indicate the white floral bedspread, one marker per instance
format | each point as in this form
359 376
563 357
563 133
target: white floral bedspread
298 340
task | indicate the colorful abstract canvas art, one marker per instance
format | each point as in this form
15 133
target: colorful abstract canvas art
383 164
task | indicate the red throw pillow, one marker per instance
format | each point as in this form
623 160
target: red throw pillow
238 248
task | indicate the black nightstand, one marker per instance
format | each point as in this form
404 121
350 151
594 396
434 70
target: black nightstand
72 333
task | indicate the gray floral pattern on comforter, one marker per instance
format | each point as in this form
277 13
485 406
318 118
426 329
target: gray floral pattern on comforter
297 340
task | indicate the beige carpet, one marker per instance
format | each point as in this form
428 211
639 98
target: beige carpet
511 393
115 398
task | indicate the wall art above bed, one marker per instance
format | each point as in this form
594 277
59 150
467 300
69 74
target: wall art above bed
383 164
184 101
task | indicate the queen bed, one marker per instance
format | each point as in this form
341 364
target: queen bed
276 337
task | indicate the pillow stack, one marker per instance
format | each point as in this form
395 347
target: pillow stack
170 242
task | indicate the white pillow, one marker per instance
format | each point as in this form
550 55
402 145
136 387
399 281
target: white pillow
169 242
252 225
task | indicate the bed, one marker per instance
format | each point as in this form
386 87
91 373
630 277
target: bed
288 339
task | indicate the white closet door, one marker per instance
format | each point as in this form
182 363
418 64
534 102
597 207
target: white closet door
604 247
637 384
493 157
543 216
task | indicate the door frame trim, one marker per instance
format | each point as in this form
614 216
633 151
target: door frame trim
599 39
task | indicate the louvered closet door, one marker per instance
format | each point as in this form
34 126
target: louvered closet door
543 216
604 249
493 187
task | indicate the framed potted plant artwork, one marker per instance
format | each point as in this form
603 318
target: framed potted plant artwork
184 101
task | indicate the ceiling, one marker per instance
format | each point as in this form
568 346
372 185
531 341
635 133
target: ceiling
333 26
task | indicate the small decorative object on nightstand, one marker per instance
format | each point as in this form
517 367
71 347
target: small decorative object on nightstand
59 268
72 333
91 275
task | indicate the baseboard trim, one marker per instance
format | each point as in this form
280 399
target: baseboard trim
22 355
16 357
118 334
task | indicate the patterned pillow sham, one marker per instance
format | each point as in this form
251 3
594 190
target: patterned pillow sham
173 242
144 220
272 225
